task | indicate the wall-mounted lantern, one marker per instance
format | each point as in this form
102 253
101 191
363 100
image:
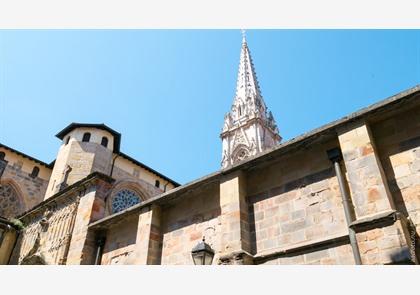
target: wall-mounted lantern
202 253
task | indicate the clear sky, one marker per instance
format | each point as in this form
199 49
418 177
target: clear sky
167 91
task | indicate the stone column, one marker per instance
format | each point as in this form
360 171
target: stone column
8 236
381 232
235 241
149 236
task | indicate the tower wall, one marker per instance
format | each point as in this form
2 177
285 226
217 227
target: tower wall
83 158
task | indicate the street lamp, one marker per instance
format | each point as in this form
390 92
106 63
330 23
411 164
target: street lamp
202 253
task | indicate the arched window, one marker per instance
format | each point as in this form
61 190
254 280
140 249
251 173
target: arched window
2 155
124 199
35 172
104 141
86 137
157 183
10 204
68 140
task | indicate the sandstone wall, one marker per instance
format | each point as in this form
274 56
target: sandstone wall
29 190
185 223
120 242
398 141
297 201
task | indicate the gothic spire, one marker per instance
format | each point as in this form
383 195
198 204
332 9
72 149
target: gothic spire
249 127
247 83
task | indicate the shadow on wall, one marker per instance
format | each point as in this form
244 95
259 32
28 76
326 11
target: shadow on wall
401 256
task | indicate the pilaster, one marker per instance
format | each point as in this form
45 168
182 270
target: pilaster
382 233
367 180
149 236
91 208
234 216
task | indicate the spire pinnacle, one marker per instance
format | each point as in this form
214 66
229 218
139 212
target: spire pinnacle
249 128
243 32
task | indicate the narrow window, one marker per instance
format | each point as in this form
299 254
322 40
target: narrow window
35 172
104 141
2 155
67 140
157 183
86 137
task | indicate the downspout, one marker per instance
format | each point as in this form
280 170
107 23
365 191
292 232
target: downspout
335 156
164 187
100 242
112 167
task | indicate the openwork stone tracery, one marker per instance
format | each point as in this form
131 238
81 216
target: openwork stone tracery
124 199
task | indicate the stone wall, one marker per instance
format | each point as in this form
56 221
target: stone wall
185 222
333 255
296 201
120 242
398 141
46 234
28 190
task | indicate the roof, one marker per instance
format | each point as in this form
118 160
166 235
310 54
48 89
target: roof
82 182
117 141
306 138
50 165
72 126
127 157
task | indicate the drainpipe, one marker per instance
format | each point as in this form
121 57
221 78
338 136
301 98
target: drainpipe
112 167
335 157
164 187
100 242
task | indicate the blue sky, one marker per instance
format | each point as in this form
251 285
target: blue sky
167 91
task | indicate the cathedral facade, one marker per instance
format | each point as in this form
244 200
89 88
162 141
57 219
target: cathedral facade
345 193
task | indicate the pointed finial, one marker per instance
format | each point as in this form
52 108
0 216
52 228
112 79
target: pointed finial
243 36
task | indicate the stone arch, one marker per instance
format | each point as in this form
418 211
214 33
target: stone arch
124 186
12 202
240 153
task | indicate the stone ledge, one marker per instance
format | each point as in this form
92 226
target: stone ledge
377 220
313 245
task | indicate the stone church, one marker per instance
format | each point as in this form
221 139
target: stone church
345 193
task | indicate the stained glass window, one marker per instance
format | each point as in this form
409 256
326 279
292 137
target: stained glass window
124 199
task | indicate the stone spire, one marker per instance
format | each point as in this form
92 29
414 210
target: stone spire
249 127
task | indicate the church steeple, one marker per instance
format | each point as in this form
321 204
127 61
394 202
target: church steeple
248 128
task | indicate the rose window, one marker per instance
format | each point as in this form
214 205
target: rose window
124 199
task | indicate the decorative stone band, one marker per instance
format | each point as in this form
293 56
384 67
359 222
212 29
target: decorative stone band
396 224
303 248
375 221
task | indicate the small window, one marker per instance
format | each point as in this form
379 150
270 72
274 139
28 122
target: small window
2 155
157 183
35 172
68 140
104 141
86 137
